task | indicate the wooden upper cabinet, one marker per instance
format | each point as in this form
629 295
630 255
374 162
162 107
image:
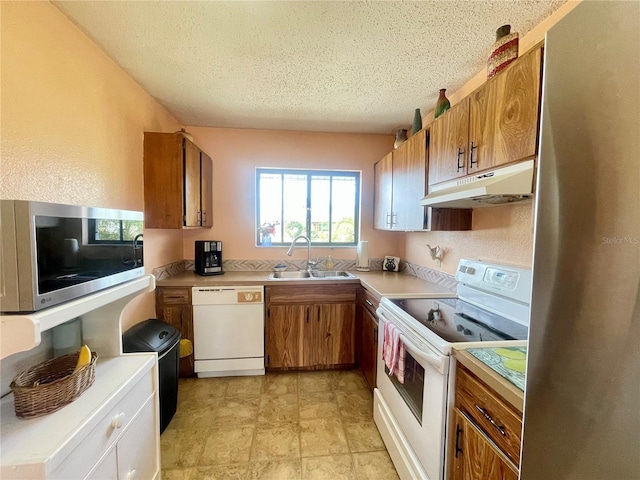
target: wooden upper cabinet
383 178
191 185
206 189
503 125
448 144
163 180
400 184
495 125
177 182
409 182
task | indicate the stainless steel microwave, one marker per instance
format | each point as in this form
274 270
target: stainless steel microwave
52 253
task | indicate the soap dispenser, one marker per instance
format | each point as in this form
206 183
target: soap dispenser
328 263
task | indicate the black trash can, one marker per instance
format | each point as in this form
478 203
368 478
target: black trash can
157 336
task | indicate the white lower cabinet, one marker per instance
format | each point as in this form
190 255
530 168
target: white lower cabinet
132 457
107 468
112 432
137 459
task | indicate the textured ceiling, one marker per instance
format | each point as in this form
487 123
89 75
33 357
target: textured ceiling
312 65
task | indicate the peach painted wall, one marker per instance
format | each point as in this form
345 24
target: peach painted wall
236 153
500 234
72 125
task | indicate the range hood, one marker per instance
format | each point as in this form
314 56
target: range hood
497 187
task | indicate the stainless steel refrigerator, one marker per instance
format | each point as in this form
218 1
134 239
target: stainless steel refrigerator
582 397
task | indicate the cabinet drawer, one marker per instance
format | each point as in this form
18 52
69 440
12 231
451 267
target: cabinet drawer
368 300
311 294
106 432
174 296
501 423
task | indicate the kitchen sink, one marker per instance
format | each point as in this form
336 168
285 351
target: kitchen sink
291 275
330 274
314 274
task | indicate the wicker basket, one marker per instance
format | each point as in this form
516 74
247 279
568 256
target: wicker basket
50 385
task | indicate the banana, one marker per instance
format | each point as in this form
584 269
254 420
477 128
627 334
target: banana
84 358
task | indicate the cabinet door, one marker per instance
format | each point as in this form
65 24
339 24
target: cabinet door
332 339
180 317
206 189
369 347
107 468
137 450
383 182
163 180
475 457
173 305
503 125
192 213
409 179
284 331
448 144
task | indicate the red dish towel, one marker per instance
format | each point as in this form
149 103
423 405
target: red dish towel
393 351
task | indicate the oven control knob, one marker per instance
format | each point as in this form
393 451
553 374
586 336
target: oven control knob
248 296
471 270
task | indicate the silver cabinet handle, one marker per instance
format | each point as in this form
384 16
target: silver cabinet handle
368 302
500 428
460 153
473 148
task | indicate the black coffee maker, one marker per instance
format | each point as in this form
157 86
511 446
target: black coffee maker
208 257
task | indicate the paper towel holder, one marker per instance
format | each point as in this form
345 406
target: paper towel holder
362 255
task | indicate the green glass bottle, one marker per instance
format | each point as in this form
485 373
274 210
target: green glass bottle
417 122
442 105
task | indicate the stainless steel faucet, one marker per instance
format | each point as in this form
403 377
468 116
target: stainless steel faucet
293 244
136 247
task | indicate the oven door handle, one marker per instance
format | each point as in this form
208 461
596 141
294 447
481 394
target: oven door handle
436 361
439 362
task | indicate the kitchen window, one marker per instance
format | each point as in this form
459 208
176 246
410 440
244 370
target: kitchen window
323 205
114 231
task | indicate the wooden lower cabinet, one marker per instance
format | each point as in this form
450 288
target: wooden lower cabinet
369 361
367 335
485 434
475 457
284 335
173 305
303 335
332 341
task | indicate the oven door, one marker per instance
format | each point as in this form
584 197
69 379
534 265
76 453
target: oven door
411 415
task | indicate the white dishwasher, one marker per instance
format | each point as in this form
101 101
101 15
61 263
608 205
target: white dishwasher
228 330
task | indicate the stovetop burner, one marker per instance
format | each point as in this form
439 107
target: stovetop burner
456 321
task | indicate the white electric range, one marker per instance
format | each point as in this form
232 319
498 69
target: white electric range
491 308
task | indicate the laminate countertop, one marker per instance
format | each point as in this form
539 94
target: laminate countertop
381 284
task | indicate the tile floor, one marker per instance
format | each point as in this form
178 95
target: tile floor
307 425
